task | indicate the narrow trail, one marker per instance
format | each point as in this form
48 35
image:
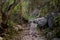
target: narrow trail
31 33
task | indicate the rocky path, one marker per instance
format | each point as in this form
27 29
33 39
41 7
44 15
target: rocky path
31 33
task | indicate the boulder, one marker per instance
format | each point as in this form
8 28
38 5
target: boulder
18 27
1 38
41 21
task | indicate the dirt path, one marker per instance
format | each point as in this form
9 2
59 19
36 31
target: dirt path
31 33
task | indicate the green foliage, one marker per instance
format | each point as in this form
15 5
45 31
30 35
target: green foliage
11 2
7 4
10 23
17 7
57 21
25 5
50 7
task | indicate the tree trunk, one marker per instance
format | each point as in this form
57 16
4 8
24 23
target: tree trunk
4 18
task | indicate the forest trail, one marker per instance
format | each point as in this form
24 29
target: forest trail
30 33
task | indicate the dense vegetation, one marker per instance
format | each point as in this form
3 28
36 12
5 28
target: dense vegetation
13 12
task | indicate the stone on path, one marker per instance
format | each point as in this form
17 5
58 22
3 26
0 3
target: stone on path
18 27
1 38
